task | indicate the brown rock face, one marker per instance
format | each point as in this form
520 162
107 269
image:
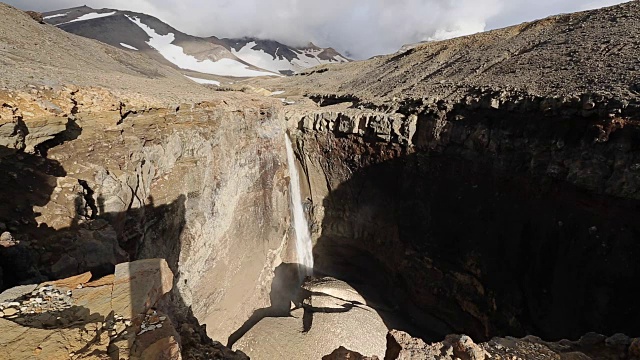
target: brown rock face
92 320
171 183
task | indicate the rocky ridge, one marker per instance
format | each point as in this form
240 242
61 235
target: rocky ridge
591 52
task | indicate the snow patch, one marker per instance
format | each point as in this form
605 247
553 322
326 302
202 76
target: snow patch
176 55
128 46
305 58
204 81
263 60
89 16
55 16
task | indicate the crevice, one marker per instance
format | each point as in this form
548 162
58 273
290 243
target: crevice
124 112
91 209
74 109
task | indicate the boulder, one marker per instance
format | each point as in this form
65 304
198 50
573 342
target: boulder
343 353
134 287
334 315
36 16
335 288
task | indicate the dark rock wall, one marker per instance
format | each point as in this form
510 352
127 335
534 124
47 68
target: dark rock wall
500 215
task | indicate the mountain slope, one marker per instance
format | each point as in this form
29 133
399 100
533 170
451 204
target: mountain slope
277 57
58 57
245 57
565 55
140 32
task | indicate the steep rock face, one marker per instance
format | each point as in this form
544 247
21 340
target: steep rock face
202 185
486 184
499 213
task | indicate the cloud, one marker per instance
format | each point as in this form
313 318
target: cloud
358 28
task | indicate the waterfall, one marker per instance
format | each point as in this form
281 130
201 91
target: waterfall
303 238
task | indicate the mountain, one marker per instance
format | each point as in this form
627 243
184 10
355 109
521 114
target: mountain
139 32
277 57
196 56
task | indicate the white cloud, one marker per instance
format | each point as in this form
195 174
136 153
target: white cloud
361 28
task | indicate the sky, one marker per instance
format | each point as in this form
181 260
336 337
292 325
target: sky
357 28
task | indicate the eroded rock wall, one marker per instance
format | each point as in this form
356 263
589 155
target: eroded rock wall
202 185
498 213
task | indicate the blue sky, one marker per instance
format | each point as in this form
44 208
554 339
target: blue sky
358 28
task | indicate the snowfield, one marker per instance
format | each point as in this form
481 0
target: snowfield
128 46
306 59
204 81
176 55
262 60
54 16
89 16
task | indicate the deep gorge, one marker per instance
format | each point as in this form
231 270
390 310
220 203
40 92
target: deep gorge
445 218
492 221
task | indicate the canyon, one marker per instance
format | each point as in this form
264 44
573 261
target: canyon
487 185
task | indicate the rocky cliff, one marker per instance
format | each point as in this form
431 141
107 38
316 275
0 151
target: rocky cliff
486 185
94 176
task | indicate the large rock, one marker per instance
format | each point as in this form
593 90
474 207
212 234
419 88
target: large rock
343 353
134 287
313 332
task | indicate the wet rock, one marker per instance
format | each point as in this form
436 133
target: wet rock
325 303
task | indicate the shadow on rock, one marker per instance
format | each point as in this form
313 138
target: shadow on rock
32 252
285 294
441 245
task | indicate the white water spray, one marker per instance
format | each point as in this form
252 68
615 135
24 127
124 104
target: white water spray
303 238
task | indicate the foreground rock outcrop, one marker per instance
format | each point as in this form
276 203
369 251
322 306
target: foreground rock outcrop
112 317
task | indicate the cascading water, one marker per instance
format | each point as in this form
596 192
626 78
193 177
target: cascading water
303 238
